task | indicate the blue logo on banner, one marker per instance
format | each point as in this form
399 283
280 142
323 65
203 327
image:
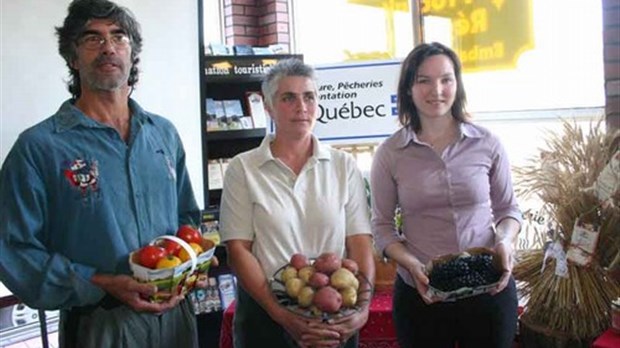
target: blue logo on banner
394 99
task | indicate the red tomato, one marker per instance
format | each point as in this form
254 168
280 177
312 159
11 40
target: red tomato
172 247
149 255
189 234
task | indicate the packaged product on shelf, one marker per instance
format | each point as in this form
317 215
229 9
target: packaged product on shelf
198 297
213 296
226 289
216 178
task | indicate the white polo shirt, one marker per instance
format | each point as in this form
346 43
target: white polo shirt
263 201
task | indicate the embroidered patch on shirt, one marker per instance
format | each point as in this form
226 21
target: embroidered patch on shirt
83 175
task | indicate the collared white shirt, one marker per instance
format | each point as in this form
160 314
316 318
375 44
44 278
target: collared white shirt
263 201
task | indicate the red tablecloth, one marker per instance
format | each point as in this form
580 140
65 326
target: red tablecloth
608 339
379 330
377 333
226 328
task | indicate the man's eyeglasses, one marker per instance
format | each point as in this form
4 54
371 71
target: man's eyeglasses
95 41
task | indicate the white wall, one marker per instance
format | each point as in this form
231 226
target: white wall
33 73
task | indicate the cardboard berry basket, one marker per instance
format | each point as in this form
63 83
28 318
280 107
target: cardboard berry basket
465 291
175 280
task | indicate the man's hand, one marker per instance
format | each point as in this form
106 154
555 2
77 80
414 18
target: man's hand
132 293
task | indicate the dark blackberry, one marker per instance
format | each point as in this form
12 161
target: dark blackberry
471 271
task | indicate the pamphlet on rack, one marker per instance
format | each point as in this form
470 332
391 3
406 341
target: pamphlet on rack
216 179
218 49
210 225
227 287
262 51
257 109
246 122
212 123
233 108
243 50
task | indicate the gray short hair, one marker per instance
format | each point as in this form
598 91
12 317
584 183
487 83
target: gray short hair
284 68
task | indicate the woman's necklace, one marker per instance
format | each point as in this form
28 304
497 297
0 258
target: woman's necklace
441 142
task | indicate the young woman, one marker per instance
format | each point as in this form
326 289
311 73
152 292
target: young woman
452 181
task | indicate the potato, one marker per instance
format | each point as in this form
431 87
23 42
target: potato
318 280
343 278
288 273
327 299
294 286
305 273
299 261
351 265
306 294
327 263
349 297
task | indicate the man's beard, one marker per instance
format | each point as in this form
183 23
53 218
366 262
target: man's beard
99 82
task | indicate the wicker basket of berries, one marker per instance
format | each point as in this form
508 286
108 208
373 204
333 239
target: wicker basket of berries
455 276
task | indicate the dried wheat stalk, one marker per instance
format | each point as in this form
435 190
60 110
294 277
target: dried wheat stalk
577 306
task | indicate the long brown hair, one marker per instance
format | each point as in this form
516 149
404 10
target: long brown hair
407 111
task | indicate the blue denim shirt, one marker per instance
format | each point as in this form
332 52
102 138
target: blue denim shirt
77 199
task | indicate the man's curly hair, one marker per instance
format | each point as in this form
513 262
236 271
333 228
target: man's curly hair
80 13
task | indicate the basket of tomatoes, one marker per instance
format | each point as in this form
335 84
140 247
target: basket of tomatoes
173 263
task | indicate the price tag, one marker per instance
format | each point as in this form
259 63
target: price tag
583 243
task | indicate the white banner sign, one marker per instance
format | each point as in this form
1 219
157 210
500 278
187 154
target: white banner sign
357 101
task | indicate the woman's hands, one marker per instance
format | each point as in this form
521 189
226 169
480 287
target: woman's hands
505 253
418 272
315 333
308 333
505 236
349 325
334 332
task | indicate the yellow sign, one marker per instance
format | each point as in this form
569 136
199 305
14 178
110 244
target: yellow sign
394 5
486 34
